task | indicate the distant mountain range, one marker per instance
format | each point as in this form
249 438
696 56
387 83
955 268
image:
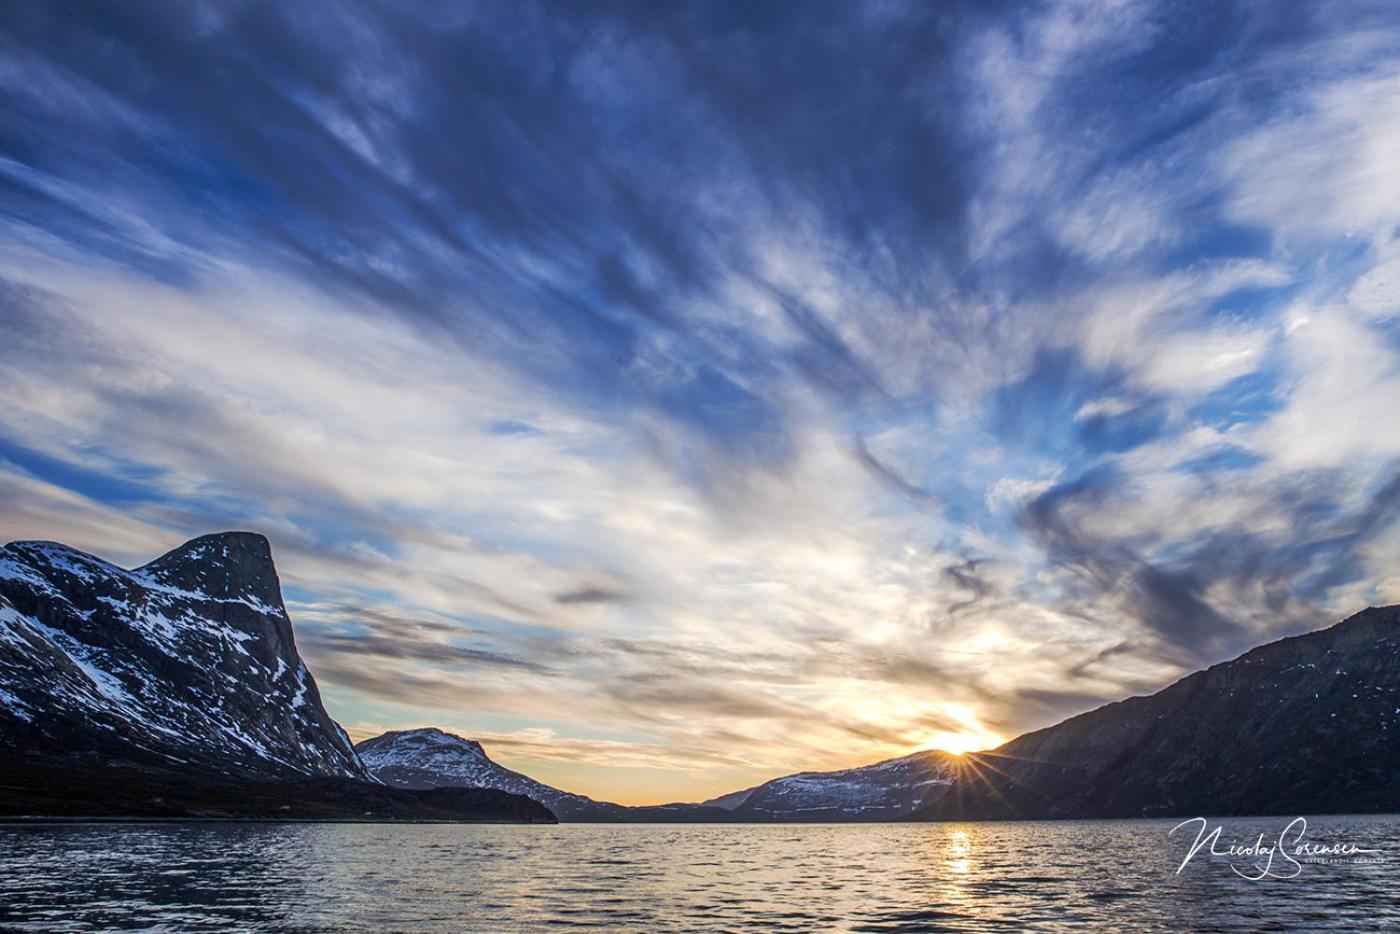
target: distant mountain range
175 689
432 758
112 681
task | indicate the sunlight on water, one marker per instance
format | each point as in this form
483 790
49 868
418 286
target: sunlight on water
959 860
873 877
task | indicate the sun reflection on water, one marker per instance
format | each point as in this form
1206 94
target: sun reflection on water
959 853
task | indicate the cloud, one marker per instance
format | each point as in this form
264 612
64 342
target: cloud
1345 377
1325 170
885 473
459 657
589 595
1167 601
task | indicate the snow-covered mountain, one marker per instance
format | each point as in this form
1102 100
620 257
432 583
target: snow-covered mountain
433 758
186 661
887 790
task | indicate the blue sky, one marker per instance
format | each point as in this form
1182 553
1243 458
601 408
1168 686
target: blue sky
675 395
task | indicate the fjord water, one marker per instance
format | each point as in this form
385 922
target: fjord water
848 877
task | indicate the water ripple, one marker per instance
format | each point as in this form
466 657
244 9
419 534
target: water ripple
872 877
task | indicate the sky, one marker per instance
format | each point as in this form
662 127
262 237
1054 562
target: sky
677 395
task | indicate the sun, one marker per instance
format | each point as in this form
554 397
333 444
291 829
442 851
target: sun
959 743
973 737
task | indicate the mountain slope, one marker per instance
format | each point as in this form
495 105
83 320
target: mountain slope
1309 724
189 659
432 758
884 791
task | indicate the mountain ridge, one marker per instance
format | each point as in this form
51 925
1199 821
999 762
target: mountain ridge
884 790
1309 722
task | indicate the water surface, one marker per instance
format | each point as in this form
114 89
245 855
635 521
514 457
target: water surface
872 877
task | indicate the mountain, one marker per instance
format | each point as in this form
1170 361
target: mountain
1305 725
188 659
183 667
884 791
432 758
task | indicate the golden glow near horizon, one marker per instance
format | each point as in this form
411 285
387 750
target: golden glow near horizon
973 737
959 743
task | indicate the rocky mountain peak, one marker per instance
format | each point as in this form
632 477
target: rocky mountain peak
222 566
429 742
